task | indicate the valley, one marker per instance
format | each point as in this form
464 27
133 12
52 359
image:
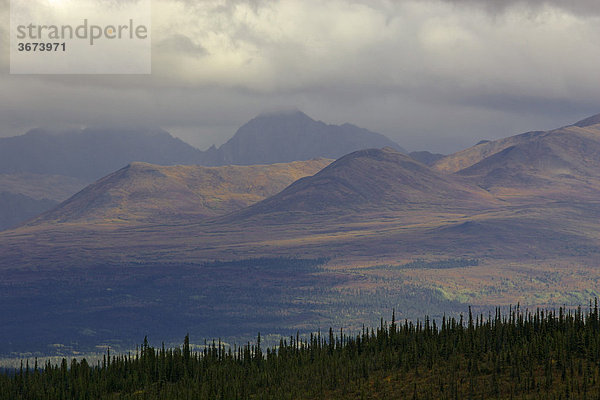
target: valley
228 251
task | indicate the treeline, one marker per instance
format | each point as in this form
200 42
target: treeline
524 355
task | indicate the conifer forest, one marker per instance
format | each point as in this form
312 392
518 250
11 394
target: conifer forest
546 354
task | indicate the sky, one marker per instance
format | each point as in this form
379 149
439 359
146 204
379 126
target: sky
431 75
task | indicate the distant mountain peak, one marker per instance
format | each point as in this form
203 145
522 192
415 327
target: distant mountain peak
279 118
282 114
292 136
88 153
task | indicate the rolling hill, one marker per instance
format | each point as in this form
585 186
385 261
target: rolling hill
562 163
49 166
486 148
371 180
143 192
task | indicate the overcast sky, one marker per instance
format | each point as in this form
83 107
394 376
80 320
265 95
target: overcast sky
435 75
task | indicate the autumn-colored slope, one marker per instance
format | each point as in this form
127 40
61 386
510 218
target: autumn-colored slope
147 192
371 181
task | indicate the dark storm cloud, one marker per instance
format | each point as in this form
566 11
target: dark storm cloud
436 75
581 7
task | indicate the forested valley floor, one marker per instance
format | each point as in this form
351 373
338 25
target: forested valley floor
525 355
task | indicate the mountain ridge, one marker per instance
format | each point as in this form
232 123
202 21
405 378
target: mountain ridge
370 179
142 192
551 163
593 120
36 163
93 152
304 137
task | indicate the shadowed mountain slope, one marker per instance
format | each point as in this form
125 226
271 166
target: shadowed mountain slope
17 208
26 195
91 153
426 157
41 186
146 192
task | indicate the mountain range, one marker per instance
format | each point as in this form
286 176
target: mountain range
92 153
294 246
481 198
60 163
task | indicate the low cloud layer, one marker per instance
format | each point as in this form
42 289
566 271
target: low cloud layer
436 75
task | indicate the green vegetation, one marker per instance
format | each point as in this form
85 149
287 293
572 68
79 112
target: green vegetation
541 355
